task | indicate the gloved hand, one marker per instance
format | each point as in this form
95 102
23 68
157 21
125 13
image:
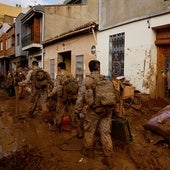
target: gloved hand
80 115
21 84
50 95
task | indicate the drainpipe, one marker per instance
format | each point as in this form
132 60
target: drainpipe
94 35
99 13
42 39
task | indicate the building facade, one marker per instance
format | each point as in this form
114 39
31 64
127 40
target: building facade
20 30
7 49
70 36
33 25
8 15
134 41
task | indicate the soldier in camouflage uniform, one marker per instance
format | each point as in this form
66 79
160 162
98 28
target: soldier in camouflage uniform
10 84
94 121
19 75
63 107
37 95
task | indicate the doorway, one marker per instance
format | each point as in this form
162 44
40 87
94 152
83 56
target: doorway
167 73
65 57
163 67
163 60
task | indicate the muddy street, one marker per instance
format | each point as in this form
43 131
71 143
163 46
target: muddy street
29 143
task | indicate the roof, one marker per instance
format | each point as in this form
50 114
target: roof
72 1
35 10
77 31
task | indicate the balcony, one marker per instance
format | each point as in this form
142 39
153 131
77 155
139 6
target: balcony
31 42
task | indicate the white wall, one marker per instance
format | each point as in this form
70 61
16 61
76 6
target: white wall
140 51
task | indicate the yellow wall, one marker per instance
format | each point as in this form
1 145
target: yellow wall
9 10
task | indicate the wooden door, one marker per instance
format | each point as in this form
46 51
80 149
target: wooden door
163 62
163 66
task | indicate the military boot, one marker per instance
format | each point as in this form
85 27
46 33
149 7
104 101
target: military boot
80 133
89 153
108 162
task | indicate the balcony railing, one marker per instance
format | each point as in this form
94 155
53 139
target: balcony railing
26 40
30 39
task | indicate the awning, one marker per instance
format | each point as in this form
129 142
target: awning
2 56
7 57
83 29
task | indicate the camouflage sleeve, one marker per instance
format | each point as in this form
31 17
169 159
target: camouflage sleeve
49 78
27 80
48 75
56 84
80 98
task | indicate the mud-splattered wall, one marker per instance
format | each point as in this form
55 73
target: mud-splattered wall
140 52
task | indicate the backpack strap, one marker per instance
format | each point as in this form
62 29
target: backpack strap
96 78
90 82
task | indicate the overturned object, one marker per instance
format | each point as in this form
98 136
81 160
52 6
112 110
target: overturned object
121 131
160 123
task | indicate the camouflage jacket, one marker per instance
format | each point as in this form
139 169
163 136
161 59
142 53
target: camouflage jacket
87 83
59 81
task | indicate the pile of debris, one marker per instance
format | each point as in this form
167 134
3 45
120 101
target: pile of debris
23 158
129 96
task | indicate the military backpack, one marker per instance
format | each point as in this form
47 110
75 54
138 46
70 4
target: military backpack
70 89
101 93
40 78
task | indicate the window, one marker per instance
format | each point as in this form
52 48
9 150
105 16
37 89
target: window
18 39
8 43
52 74
79 67
1 46
116 54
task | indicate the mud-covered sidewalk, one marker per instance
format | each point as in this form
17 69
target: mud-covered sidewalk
28 144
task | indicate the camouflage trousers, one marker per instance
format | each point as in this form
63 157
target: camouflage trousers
18 93
93 122
64 109
39 97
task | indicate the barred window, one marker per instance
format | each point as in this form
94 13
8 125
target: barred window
116 54
79 67
52 74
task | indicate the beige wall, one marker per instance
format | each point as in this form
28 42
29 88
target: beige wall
78 46
61 19
113 12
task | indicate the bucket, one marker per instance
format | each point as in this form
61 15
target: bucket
66 124
66 120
